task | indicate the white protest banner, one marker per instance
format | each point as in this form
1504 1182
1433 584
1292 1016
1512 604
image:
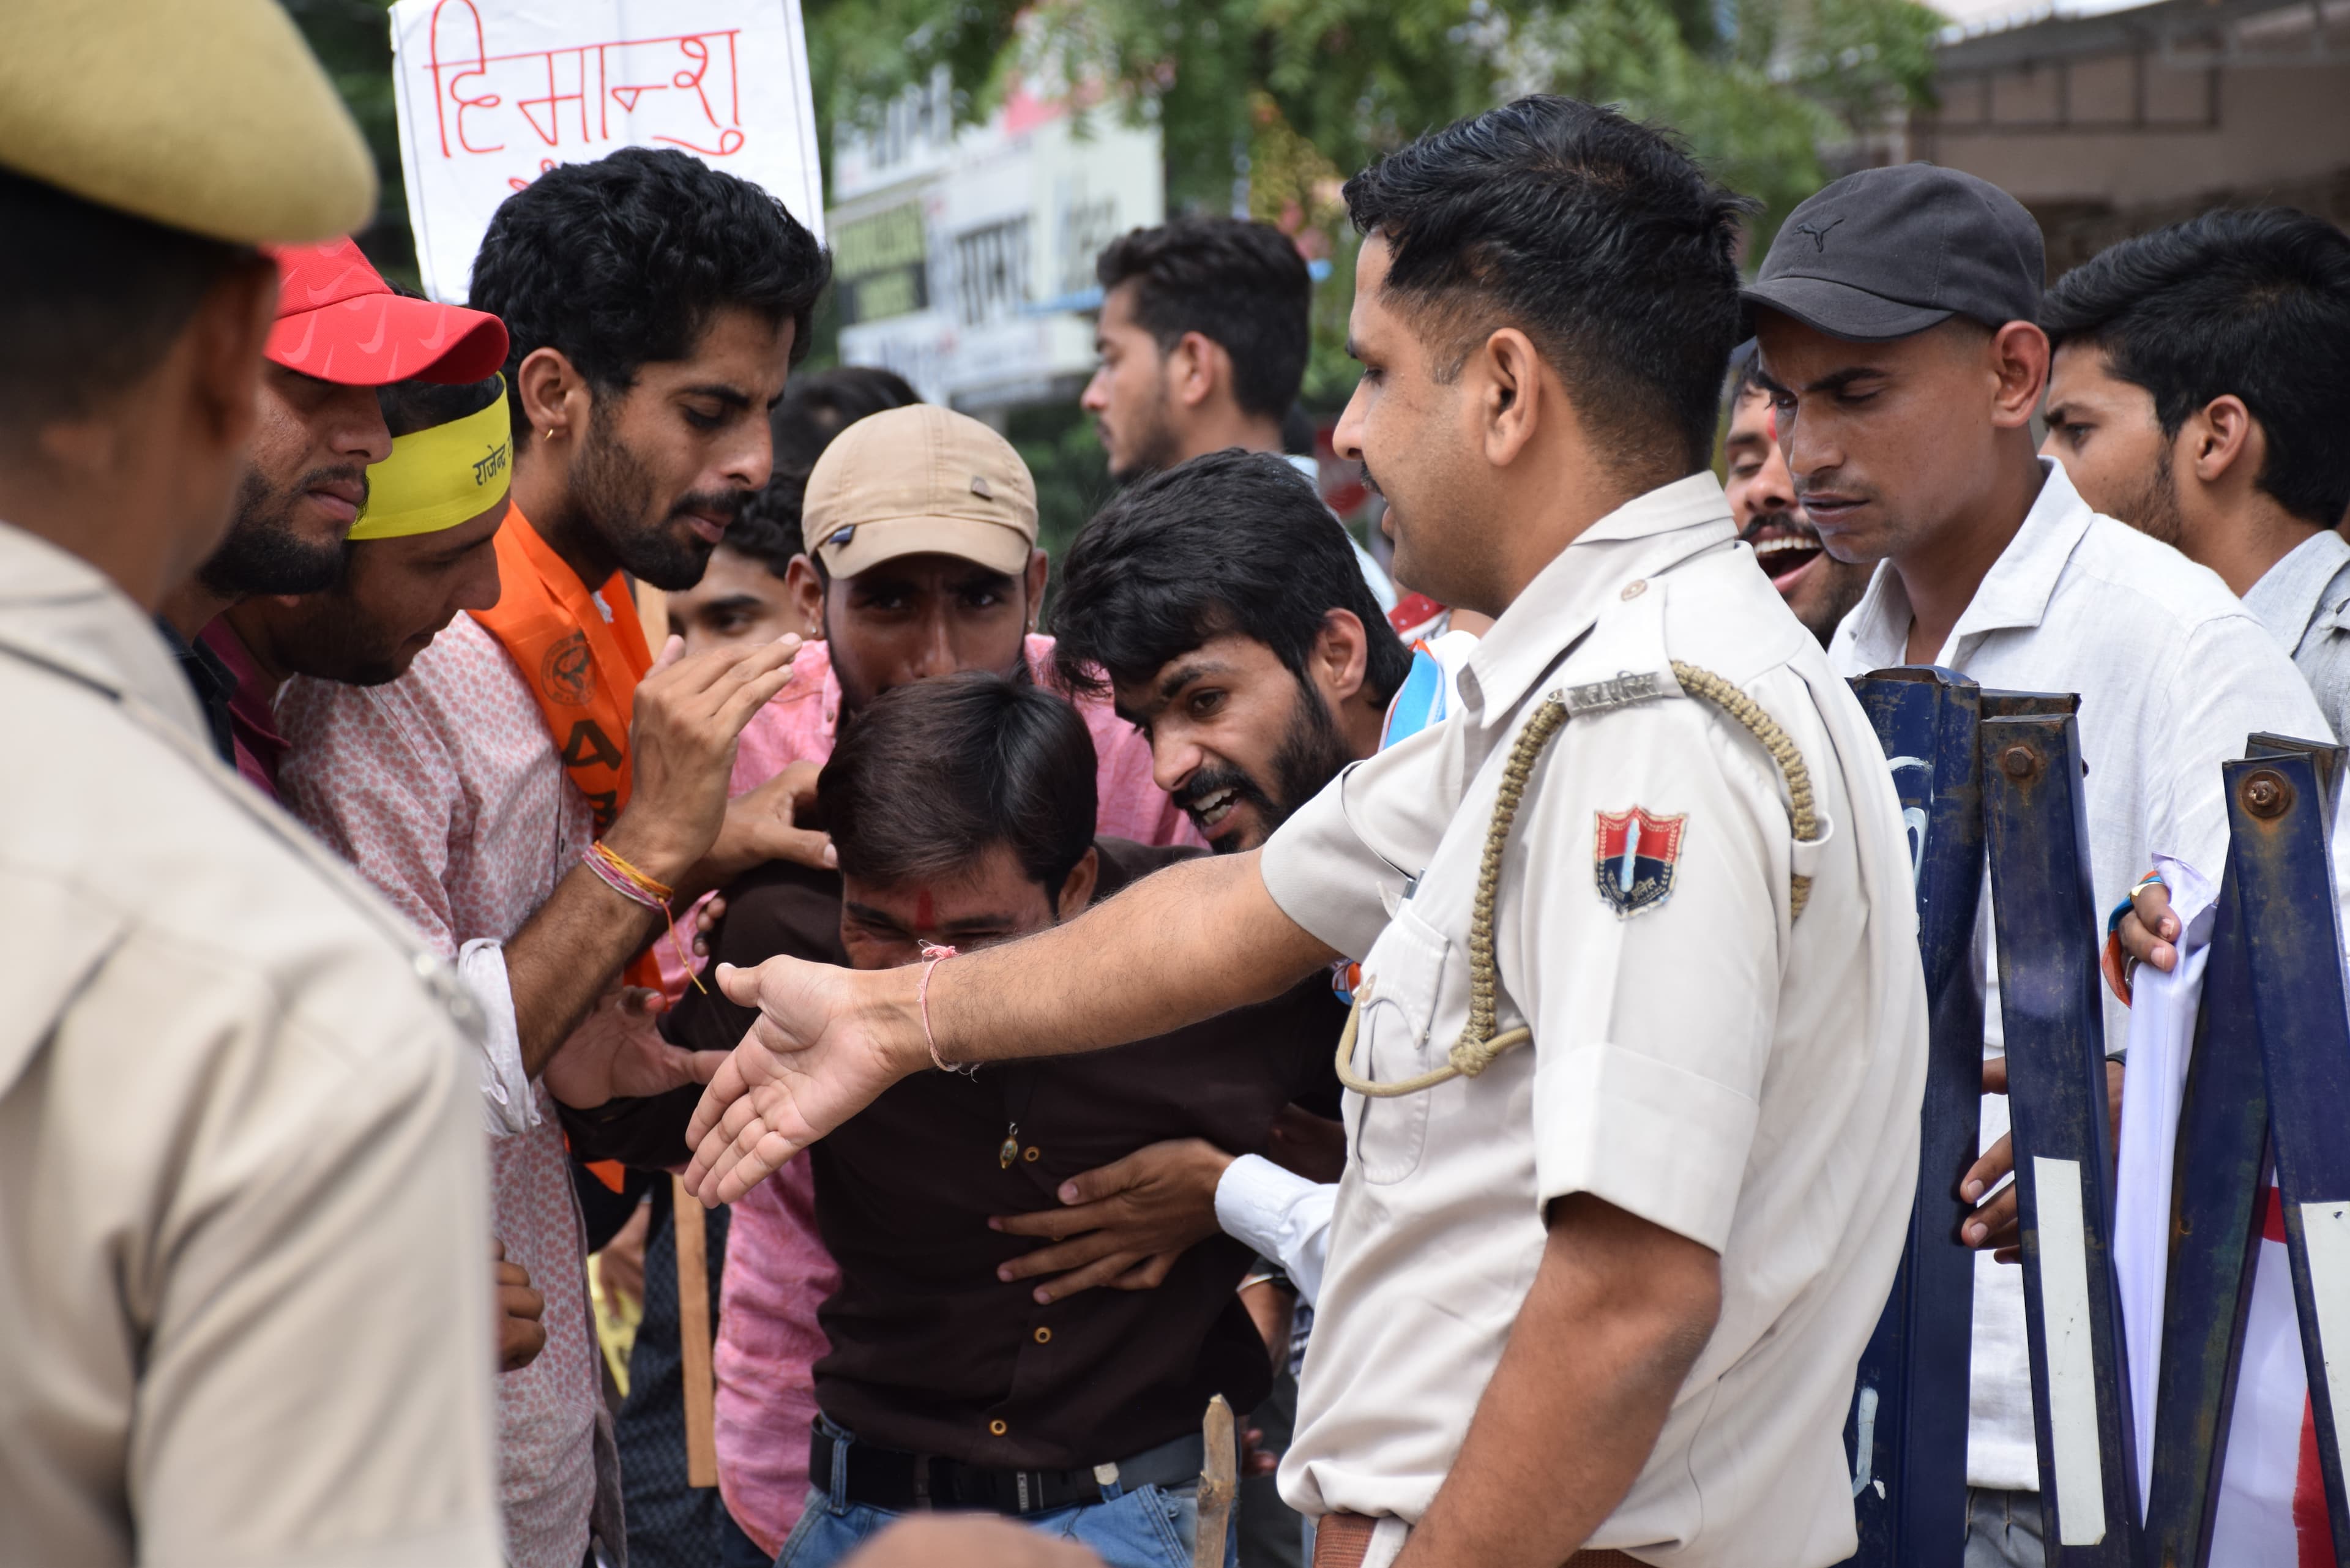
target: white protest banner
494 93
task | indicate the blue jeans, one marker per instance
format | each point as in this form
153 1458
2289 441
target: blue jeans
1149 1527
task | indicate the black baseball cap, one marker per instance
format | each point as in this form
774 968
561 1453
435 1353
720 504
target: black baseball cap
1888 252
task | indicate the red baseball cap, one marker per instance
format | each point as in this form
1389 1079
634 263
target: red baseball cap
339 321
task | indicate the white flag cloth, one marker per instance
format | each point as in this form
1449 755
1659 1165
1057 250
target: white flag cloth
2254 1523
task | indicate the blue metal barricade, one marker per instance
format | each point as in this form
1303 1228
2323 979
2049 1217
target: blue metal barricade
2278 831
1907 1433
2048 925
2218 1193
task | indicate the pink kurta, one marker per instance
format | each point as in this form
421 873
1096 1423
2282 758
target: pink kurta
444 790
777 1271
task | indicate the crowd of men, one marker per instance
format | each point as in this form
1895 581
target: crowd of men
1459 1003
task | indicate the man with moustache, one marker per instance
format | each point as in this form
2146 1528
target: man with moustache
1204 602
1203 334
1905 398
2197 395
420 553
341 332
1634 1117
536 792
1817 586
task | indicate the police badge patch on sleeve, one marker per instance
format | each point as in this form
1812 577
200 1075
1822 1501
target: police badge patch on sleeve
1634 853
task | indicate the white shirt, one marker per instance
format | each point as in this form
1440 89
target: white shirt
1742 1079
1281 1214
2173 673
2304 602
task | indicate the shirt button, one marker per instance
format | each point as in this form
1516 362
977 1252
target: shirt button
1031 1154
997 1428
1044 1336
1636 588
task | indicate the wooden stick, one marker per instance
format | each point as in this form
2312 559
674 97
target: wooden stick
693 1338
1219 1486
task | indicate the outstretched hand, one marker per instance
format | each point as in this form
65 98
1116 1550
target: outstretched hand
825 1045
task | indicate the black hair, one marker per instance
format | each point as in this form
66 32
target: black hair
2254 303
623 263
1598 238
1745 374
814 409
936 773
412 406
819 407
91 298
1228 542
1238 284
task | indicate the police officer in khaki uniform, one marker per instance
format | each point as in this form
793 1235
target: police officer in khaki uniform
245 1261
1640 1034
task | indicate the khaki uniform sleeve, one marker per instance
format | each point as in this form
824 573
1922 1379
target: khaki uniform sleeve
1653 1006
315 1285
1341 861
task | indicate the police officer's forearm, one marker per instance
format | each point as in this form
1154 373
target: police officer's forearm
1199 938
1618 1315
564 956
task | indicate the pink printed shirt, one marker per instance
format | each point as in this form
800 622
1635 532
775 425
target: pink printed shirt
777 1270
444 788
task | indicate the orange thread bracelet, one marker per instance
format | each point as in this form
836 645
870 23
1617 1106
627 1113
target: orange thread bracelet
616 873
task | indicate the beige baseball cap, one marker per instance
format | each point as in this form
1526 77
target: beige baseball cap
213 118
919 481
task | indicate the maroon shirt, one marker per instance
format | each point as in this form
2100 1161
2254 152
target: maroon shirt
928 1348
252 724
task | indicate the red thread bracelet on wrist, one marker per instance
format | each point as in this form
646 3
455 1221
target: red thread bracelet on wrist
936 955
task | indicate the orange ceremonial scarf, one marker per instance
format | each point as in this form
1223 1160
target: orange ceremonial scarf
582 668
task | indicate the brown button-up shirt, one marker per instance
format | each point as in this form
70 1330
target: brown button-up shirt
930 1353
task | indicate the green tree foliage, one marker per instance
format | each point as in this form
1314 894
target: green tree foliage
1757 87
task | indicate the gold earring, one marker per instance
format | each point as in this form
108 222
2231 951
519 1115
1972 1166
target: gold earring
550 433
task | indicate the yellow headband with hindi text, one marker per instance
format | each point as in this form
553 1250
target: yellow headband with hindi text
437 478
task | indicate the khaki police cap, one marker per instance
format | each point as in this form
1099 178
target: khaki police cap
211 118
919 481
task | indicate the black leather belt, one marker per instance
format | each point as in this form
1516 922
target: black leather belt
908 1483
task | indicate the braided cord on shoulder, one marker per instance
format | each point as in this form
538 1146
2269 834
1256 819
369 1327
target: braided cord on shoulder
1478 1044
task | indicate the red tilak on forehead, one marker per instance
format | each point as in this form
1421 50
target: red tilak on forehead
1771 423
926 913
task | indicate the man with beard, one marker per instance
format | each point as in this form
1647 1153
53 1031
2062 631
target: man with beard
418 554
536 792
1211 602
2198 393
2215 347
1817 586
341 332
1905 404
1204 327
